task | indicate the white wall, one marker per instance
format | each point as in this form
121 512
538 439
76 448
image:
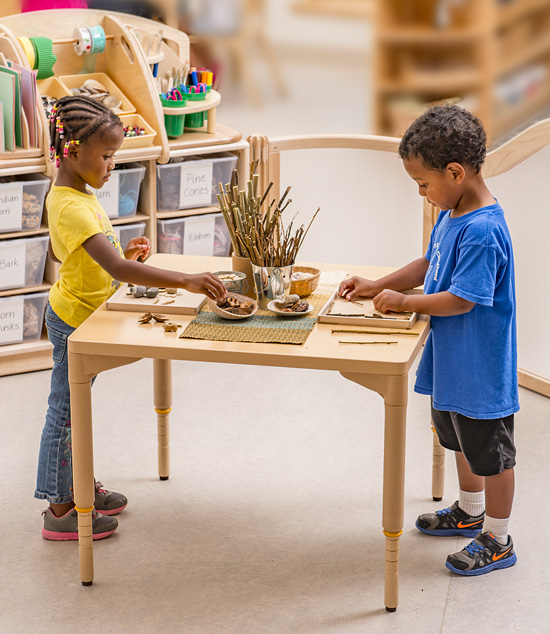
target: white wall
524 193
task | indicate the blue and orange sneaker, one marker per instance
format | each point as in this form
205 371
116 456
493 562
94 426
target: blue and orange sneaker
482 555
450 521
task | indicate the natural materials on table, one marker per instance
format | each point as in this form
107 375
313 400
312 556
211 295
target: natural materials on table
256 226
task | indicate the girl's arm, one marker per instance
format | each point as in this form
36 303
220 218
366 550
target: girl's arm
51 253
101 250
409 276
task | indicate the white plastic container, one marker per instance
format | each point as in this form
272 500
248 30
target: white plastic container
22 202
22 317
127 232
205 234
22 262
119 196
193 182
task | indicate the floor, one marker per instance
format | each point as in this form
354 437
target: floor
271 519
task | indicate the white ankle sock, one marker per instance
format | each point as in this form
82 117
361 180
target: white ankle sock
497 527
472 502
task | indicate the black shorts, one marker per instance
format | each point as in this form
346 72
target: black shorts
487 445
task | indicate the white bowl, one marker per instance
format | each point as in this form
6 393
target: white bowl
224 314
274 308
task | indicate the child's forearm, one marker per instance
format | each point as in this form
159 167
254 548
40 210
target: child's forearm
409 276
145 275
442 304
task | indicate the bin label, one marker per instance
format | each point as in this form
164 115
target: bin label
196 184
11 321
199 235
108 195
11 207
12 264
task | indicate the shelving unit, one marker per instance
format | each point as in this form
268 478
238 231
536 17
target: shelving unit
493 56
125 62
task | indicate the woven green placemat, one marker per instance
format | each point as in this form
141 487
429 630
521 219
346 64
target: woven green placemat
263 327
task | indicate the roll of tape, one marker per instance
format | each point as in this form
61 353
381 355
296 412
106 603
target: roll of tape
83 45
45 57
29 51
98 38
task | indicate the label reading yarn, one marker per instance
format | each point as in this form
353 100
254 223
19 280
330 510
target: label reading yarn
108 195
11 321
11 207
199 235
196 184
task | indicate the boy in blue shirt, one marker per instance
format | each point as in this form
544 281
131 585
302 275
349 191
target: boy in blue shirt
469 365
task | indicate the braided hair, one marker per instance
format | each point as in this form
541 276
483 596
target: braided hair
76 120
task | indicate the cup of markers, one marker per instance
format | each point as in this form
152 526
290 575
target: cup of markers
175 98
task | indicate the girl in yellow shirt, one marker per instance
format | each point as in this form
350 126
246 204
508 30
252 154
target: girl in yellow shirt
84 138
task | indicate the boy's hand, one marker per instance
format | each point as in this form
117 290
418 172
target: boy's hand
390 300
357 287
137 247
205 283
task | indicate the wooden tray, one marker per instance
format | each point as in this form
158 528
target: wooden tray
185 304
341 311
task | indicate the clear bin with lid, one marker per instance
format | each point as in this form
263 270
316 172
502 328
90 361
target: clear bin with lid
22 262
22 202
22 317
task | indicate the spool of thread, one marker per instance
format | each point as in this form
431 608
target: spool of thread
89 40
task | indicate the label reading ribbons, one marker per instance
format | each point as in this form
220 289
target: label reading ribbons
11 207
11 321
196 184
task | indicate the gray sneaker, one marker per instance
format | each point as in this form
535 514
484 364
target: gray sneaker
108 502
65 528
450 521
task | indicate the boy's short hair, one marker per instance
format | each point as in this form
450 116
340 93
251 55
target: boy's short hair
443 135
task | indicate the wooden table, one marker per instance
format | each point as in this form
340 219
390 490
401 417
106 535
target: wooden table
109 339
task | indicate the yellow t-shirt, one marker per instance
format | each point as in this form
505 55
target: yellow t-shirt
83 285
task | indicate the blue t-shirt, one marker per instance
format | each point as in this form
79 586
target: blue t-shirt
469 363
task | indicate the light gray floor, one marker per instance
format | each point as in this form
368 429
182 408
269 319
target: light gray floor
270 521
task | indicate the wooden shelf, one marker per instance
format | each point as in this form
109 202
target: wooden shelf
10 292
406 36
516 9
24 234
532 52
26 357
126 220
360 9
184 213
223 136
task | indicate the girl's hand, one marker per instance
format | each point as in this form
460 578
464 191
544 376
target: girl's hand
390 300
205 283
137 247
357 287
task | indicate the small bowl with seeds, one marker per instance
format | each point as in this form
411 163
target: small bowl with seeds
234 281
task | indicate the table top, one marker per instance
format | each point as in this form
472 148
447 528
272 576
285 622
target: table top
118 334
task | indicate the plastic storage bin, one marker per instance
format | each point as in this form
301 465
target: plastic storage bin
193 182
205 234
22 317
119 197
22 202
126 232
22 262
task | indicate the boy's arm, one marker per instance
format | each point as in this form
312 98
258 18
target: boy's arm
409 276
101 250
442 304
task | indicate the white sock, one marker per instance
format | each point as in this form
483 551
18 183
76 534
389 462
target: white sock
497 527
472 502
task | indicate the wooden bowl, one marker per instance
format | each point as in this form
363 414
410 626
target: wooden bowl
220 312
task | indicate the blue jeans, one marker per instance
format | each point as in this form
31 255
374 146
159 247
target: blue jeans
55 466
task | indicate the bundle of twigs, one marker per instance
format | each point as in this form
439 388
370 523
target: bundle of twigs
256 227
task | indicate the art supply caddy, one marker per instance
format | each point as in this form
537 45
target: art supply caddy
130 62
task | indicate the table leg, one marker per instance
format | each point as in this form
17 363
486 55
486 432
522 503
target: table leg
438 468
162 373
394 391
83 473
